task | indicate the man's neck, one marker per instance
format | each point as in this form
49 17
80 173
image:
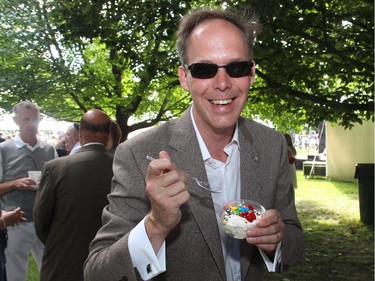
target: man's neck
31 140
215 139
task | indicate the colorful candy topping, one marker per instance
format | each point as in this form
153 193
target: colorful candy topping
243 210
237 217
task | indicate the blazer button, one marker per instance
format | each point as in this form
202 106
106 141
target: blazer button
124 279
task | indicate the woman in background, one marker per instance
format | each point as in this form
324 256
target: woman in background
114 138
292 159
7 218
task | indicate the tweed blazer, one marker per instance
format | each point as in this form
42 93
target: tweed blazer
193 249
67 212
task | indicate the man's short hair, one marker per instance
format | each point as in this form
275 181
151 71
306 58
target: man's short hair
24 104
245 21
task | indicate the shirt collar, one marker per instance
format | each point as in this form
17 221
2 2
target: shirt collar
90 143
205 153
20 143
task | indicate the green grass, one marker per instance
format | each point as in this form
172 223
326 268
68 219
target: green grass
338 246
33 273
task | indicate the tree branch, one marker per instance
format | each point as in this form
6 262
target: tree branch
318 98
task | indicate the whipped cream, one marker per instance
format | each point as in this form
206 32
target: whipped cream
238 217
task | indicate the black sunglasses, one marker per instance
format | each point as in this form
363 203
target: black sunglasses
208 70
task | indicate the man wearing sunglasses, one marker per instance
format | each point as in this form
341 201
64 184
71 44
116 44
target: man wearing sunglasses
159 224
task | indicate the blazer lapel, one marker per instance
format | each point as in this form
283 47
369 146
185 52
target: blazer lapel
250 165
187 156
250 160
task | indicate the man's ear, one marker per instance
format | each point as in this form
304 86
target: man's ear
15 119
183 78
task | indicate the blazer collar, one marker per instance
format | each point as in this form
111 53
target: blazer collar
91 147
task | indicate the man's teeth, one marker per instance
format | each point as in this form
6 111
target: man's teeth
221 102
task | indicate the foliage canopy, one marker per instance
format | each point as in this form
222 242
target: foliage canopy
314 59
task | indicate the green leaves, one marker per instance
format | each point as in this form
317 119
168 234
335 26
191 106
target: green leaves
314 59
316 56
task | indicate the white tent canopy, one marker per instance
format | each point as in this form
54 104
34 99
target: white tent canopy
346 148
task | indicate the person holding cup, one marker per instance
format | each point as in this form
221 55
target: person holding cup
23 153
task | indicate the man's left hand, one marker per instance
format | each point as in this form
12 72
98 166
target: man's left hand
268 233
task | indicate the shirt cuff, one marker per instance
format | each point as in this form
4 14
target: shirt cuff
272 265
143 255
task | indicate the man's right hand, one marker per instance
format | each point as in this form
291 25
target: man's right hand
21 184
25 184
167 190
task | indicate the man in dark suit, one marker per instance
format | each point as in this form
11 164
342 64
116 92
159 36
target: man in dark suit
72 193
160 225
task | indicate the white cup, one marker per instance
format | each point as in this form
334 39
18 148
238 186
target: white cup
35 175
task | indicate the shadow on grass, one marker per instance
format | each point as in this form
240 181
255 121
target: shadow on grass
336 248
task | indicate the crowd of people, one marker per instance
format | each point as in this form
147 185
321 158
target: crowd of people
76 179
98 215
306 141
67 142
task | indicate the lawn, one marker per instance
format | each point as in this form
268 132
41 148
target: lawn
338 246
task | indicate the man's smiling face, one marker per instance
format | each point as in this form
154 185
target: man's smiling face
218 101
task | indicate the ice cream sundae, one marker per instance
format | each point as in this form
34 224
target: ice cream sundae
239 216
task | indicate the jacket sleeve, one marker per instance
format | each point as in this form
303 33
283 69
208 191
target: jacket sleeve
292 247
44 204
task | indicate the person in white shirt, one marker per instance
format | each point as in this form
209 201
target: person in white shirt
72 143
24 153
161 225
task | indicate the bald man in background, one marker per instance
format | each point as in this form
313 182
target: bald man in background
72 193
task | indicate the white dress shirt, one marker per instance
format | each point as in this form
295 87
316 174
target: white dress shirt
75 148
